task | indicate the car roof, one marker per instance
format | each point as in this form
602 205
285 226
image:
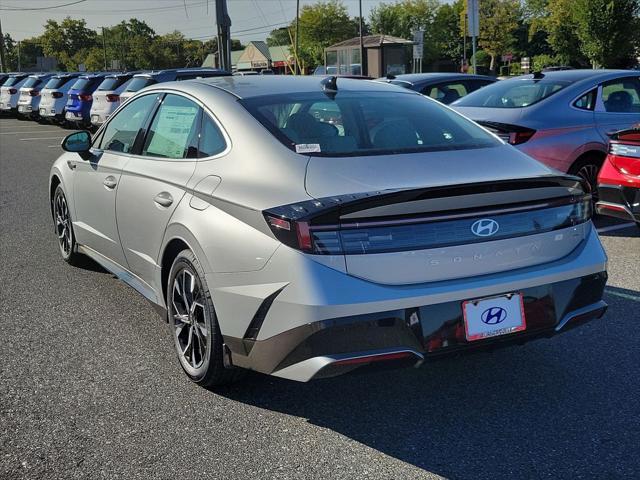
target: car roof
154 73
576 75
258 85
435 76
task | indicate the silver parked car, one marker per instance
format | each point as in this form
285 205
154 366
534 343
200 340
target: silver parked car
106 98
29 100
561 118
279 238
10 92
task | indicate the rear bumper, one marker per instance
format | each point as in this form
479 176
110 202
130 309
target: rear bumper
619 201
321 321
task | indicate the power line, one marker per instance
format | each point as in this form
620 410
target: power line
12 8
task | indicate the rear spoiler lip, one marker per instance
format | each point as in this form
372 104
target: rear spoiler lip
328 211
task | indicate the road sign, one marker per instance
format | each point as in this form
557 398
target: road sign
474 17
418 44
507 57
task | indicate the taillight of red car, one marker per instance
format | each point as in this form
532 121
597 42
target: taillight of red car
624 152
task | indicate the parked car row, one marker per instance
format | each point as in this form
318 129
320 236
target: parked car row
82 99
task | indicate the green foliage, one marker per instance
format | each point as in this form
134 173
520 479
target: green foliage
608 30
562 28
498 23
539 62
280 37
321 25
67 41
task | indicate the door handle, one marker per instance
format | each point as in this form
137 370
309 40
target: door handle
110 182
164 199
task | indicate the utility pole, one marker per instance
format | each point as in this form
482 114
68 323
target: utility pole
224 34
363 70
464 43
2 57
297 32
104 49
19 59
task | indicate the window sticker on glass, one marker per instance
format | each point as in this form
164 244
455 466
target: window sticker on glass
172 130
307 148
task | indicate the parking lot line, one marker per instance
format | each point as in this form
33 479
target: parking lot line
41 138
613 228
28 131
626 296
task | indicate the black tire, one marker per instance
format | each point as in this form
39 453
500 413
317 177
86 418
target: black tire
588 169
189 309
63 227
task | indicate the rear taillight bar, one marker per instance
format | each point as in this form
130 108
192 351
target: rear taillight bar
323 226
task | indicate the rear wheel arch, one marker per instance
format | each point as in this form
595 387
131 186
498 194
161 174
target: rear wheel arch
592 156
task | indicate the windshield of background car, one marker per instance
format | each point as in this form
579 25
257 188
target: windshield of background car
512 93
56 82
365 123
31 82
138 83
111 83
81 84
11 81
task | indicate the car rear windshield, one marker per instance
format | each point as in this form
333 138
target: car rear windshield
82 84
111 83
138 83
31 82
514 93
56 82
11 81
365 123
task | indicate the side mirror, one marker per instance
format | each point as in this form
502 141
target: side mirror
78 142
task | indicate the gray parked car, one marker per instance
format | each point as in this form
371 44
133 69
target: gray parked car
561 118
444 87
273 240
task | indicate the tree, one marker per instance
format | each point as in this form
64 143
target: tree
445 33
498 22
321 25
403 18
280 37
608 30
562 28
67 41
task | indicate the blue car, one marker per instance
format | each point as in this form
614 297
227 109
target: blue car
80 98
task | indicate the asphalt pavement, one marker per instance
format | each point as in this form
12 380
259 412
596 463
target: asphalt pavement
90 386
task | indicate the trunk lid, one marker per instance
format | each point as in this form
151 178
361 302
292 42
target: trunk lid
428 217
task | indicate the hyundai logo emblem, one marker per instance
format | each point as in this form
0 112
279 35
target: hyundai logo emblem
485 227
494 315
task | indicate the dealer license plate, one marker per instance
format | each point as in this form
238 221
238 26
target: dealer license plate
494 316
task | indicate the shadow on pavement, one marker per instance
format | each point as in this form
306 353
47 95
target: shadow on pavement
560 407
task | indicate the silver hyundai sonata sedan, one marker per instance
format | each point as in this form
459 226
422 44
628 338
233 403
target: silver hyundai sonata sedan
304 227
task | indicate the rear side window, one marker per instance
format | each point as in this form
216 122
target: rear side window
622 96
121 132
587 101
446 92
138 83
174 130
211 139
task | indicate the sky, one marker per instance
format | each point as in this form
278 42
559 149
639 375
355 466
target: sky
251 19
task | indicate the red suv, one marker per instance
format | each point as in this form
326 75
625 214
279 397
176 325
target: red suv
619 179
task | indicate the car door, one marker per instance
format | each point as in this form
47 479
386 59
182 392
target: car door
153 184
618 105
96 180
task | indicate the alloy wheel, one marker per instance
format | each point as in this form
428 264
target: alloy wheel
63 225
191 321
